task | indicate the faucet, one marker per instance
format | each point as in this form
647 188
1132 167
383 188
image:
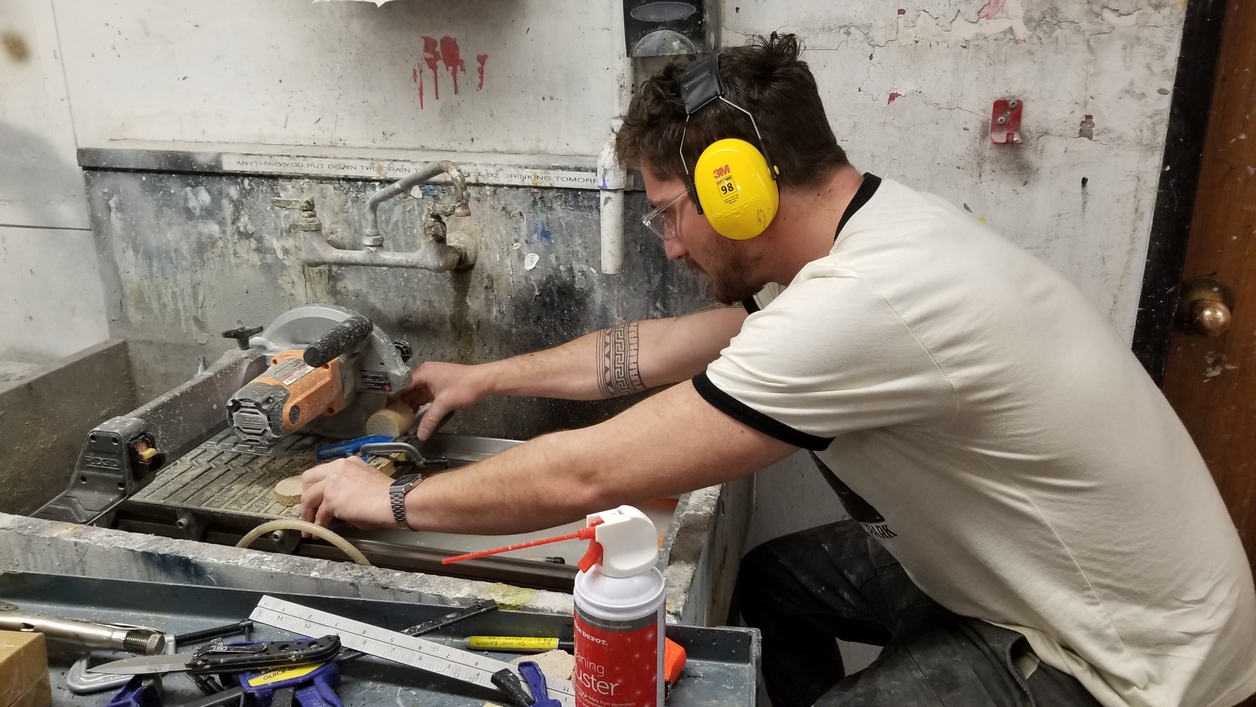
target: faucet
442 252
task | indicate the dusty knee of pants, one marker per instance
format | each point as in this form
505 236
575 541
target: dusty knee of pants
756 570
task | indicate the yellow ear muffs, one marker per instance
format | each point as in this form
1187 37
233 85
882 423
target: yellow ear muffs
735 189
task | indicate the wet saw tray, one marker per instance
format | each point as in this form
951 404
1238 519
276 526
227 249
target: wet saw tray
228 476
720 672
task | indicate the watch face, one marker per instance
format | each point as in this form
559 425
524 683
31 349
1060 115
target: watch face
406 480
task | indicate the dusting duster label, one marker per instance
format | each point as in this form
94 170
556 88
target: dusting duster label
617 662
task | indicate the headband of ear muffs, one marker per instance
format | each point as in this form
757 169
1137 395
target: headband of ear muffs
733 183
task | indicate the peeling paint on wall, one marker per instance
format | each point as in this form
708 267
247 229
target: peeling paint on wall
186 256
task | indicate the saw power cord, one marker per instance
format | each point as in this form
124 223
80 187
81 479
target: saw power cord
305 527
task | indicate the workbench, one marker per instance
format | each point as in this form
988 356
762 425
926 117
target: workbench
721 668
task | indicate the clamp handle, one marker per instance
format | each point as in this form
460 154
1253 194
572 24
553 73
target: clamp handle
381 448
509 683
242 334
531 672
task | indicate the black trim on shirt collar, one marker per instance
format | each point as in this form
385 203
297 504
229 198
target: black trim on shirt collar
750 304
752 418
861 197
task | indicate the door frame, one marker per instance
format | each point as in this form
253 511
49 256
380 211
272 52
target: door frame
1189 109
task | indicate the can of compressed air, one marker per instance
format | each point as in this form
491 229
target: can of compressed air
619 624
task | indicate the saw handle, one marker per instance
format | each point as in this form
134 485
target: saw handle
341 339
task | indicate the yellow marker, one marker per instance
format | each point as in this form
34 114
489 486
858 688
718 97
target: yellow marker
515 643
281 674
148 453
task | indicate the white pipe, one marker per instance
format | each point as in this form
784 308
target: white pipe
611 178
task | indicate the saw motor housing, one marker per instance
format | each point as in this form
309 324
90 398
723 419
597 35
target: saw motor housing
287 397
329 369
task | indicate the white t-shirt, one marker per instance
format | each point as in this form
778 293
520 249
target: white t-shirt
1006 447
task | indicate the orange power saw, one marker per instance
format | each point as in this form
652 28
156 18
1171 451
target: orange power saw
329 369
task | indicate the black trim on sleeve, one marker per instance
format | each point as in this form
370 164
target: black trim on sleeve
750 417
861 197
750 305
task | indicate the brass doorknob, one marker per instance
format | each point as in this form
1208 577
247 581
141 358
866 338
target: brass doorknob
1204 307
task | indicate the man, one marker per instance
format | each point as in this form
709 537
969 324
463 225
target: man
1031 523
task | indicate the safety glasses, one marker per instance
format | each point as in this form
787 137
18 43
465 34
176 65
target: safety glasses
659 221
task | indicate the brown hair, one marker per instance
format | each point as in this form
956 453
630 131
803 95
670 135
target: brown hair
766 78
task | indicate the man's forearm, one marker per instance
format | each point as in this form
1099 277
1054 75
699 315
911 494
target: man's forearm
666 445
620 360
601 364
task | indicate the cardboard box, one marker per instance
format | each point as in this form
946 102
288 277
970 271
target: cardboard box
24 670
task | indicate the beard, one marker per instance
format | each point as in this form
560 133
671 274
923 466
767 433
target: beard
726 274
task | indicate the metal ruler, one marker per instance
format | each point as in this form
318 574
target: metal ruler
391 645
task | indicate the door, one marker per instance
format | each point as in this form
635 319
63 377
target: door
1210 376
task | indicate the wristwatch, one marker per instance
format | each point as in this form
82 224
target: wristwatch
397 497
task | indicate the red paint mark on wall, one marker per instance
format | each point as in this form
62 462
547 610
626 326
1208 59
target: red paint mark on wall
453 58
431 57
446 51
417 75
991 10
894 96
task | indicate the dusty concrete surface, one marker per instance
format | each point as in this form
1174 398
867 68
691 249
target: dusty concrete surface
32 545
702 556
699 562
11 371
45 416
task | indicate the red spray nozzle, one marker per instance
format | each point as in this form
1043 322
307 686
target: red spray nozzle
582 534
591 556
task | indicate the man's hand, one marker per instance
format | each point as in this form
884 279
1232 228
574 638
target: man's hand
447 386
348 489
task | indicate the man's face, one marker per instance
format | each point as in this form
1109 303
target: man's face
723 262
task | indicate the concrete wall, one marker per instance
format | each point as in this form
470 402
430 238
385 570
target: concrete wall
405 75
50 298
44 420
909 87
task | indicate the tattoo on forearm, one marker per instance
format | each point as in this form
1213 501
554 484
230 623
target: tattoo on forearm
618 369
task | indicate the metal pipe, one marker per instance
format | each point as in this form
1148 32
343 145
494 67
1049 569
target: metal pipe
371 237
441 257
89 634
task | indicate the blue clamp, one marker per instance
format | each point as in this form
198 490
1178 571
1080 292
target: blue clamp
327 452
531 672
316 688
140 691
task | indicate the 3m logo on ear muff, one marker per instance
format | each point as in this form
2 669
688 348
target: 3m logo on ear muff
733 182
735 189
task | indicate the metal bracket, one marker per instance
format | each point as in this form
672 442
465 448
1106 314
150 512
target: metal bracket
116 460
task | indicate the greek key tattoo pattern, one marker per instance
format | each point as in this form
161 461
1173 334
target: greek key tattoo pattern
617 361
